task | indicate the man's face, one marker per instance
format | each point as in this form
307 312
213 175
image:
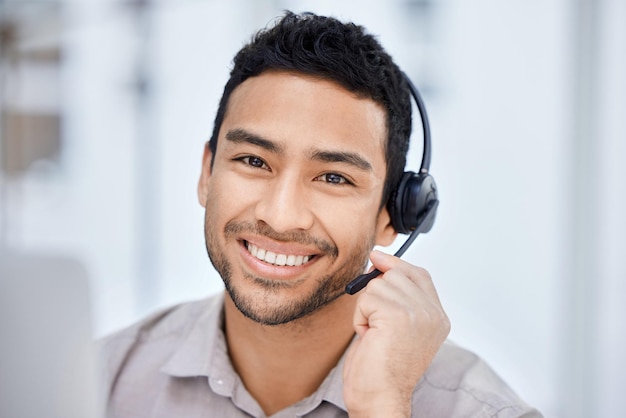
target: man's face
292 200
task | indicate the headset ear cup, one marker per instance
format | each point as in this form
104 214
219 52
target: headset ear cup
414 193
423 190
395 204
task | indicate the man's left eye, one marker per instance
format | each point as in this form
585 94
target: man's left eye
333 178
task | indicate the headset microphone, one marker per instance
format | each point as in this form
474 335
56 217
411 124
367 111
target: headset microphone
413 204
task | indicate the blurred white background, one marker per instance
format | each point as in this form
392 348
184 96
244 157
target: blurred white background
106 106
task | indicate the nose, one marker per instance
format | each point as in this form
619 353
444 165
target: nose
285 205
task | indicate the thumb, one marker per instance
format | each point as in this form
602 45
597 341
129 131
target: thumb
382 261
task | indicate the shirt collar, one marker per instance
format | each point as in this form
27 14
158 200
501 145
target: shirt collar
203 352
197 348
332 387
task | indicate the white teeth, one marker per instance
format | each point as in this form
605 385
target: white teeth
270 257
277 259
281 259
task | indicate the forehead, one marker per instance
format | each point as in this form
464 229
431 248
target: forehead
299 110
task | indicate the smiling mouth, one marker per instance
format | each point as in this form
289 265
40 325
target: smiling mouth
277 259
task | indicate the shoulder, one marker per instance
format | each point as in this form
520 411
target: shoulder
157 335
459 383
161 324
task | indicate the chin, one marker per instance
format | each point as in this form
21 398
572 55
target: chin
269 302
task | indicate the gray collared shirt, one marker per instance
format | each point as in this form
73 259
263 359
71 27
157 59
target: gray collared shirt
175 364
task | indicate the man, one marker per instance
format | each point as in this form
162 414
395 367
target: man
310 140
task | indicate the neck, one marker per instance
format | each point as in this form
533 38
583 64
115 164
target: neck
283 364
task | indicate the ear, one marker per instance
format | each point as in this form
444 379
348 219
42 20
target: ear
385 232
205 175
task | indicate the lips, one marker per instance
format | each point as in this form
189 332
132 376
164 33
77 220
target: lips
277 259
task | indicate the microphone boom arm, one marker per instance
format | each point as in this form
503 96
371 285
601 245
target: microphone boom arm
425 219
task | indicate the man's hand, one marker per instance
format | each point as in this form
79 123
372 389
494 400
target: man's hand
400 326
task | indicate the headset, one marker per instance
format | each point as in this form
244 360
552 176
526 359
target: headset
413 204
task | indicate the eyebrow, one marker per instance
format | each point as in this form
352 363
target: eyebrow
351 158
243 136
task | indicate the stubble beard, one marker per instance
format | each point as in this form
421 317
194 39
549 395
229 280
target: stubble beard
260 307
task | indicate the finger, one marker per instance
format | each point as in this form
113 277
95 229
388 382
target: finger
382 261
386 262
368 303
398 298
382 303
397 287
394 297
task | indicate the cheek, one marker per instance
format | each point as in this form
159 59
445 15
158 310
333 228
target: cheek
227 199
350 223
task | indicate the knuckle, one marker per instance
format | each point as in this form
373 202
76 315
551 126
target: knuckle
447 326
424 274
374 286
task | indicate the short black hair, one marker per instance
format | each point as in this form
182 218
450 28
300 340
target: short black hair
342 52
